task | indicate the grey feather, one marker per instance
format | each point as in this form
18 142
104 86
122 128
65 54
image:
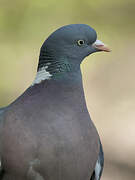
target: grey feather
1 124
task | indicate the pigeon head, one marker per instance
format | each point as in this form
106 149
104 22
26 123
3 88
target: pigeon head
64 50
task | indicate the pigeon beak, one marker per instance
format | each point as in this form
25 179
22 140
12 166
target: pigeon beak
99 45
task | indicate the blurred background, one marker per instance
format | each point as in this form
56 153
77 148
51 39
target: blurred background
108 77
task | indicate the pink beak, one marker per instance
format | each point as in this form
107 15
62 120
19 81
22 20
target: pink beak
100 46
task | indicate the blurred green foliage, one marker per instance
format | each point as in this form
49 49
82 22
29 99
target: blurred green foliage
25 24
28 17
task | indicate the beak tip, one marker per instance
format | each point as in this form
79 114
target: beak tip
99 45
106 49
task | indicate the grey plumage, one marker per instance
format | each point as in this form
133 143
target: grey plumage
47 132
1 124
2 110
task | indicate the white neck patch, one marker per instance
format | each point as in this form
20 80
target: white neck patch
42 75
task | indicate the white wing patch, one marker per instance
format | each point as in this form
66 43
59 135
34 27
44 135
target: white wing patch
42 75
32 173
97 170
0 165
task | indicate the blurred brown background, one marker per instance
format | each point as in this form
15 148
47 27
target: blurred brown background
108 77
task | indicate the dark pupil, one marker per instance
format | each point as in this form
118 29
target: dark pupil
81 42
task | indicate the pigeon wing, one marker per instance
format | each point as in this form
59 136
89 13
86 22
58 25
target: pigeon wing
99 165
1 123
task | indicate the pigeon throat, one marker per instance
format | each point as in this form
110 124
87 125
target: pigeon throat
50 67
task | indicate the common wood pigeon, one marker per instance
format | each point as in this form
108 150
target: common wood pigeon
47 132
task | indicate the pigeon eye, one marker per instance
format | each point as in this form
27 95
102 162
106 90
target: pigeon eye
80 42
